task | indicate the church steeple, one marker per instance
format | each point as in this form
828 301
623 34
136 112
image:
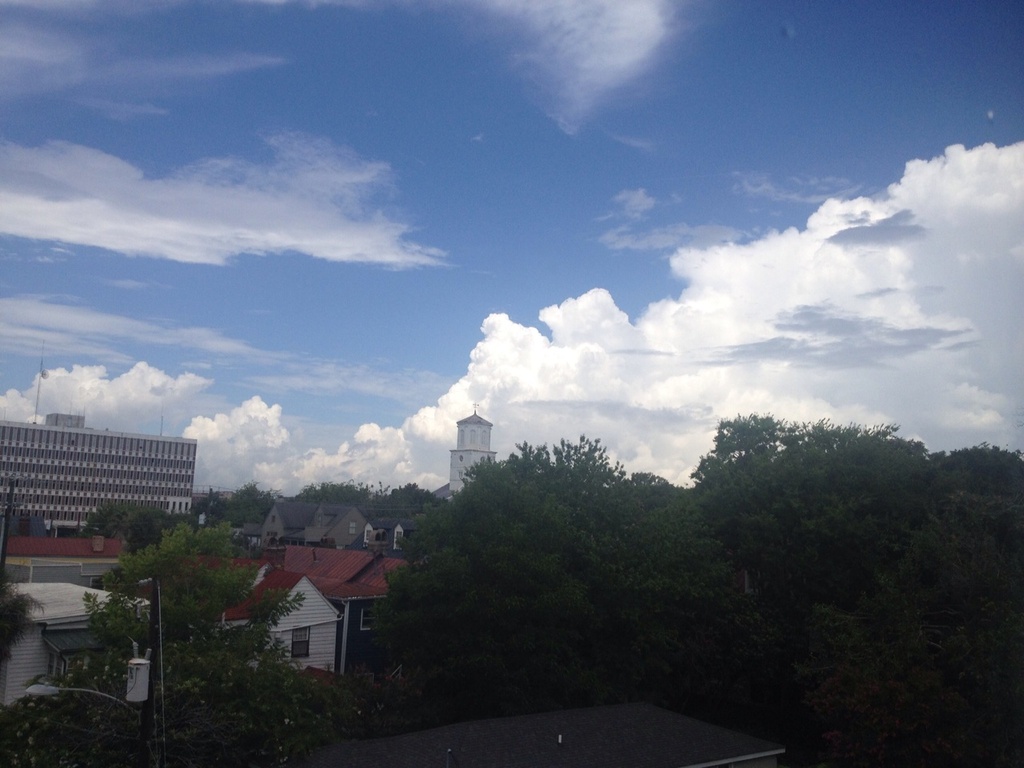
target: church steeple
472 445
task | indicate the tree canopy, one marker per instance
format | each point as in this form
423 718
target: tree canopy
837 588
15 615
838 580
376 501
547 582
137 525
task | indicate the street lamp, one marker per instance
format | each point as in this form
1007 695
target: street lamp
42 689
140 682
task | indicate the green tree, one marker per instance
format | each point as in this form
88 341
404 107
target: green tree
138 526
811 512
229 694
249 504
211 509
928 671
15 615
336 493
546 583
408 500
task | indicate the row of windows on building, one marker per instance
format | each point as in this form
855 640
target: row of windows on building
18 435
92 492
58 472
83 458
74 509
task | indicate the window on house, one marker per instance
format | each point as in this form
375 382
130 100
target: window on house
367 619
56 665
352 528
399 535
300 642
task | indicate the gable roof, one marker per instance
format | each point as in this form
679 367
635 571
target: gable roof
634 735
275 579
308 520
70 548
341 573
293 514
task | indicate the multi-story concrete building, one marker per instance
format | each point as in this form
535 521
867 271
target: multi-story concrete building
64 470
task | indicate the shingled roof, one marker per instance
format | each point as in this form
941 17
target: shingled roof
620 736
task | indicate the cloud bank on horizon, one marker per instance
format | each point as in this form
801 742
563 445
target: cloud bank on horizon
895 308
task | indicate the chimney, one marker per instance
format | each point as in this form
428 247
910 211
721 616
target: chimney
274 555
98 543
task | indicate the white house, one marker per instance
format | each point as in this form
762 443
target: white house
60 629
309 632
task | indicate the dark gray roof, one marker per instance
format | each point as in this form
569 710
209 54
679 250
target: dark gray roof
294 514
71 640
620 736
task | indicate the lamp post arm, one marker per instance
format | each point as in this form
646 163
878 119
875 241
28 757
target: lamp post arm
40 689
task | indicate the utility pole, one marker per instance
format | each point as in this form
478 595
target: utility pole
147 716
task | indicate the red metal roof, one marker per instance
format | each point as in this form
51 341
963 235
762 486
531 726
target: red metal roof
341 573
283 580
41 546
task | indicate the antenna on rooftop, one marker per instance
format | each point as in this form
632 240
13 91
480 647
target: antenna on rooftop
43 373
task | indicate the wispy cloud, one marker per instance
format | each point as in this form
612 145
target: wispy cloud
313 198
668 237
581 51
577 52
644 145
634 203
636 234
45 56
27 323
796 189
123 111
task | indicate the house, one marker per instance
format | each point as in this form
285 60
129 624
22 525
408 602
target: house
618 736
386 535
309 632
304 523
82 561
353 581
60 629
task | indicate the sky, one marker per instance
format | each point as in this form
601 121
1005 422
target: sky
314 235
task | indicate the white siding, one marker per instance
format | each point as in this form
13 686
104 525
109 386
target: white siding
28 659
321 617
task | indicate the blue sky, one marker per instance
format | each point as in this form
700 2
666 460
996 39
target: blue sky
313 234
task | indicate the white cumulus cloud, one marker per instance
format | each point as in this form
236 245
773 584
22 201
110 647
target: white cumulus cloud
901 308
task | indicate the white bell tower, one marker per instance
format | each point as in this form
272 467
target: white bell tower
473 445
